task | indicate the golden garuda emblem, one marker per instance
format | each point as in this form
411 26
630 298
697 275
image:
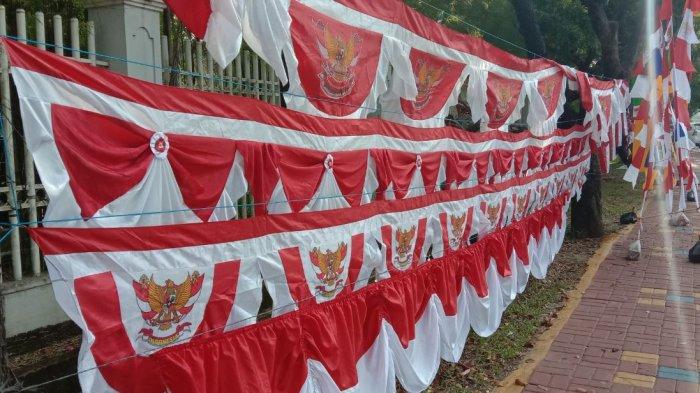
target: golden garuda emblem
168 304
492 213
427 79
504 96
404 241
521 204
457 229
328 267
339 56
547 90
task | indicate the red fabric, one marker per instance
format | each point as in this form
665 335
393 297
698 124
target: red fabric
693 5
458 167
681 56
104 165
395 168
502 97
337 62
260 172
301 171
272 355
201 166
550 90
235 107
435 79
112 350
54 241
584 90
665 10
219 306
194 14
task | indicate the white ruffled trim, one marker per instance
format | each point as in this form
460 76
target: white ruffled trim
438 336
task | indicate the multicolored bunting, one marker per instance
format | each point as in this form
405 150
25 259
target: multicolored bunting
168 291
661 123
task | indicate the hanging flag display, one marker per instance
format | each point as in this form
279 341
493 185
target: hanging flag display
345 57
337 69
363 290
148 160
438 83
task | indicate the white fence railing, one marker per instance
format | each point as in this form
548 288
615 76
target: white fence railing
24 199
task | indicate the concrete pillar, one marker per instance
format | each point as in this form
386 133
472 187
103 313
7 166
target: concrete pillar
129 29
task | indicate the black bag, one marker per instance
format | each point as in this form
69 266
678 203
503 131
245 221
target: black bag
690 196
694 253
628 218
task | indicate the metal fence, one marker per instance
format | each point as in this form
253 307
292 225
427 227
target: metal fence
22 198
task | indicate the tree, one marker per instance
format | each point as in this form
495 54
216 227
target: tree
529 29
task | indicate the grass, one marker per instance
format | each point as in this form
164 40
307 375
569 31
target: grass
486 361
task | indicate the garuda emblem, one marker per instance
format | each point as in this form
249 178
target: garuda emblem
457 229
547 91
492 213
427 79
521 204
339 58
169 304
329 267
404 240
504 95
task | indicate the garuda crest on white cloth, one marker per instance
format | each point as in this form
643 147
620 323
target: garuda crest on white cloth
169 304
328 267
404 245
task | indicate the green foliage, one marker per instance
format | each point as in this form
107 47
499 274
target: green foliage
478 18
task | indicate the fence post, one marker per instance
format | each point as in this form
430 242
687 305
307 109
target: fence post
75 38
58 34
200 65
247 86
91 42
29 163
188 62
40 30
239 74
9 153
165 59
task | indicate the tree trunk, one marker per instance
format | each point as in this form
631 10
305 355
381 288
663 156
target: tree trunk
587 213
607 32
529 28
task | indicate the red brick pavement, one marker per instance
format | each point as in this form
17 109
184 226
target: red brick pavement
611 339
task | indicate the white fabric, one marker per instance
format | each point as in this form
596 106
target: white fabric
538 115
263 24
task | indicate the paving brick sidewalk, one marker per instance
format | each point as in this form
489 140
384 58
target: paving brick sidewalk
637 326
